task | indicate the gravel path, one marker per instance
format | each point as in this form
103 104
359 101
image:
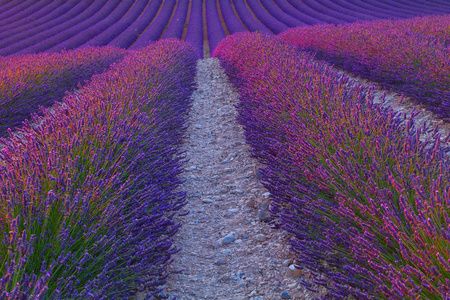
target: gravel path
229 252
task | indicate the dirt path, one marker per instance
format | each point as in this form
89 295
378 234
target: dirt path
229 252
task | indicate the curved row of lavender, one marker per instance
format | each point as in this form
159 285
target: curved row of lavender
410 56
86 203
33 80
34 26
366 200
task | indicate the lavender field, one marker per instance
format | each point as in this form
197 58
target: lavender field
88 196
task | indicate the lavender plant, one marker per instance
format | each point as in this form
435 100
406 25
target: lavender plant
87 201
365 198
41 79
409 55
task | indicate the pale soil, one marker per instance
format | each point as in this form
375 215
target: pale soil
221 176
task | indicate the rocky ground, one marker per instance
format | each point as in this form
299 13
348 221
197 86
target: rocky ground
229 250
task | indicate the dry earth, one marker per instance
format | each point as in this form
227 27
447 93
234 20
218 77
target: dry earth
229 252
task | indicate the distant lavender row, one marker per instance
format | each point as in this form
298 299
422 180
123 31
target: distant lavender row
35 13
25 32
49 36
194 32
214 27
231 20
111 13
155 29
48 26
409 55
114 26
86 203
366 200
246 17
33 80
267 19
129 36
175 28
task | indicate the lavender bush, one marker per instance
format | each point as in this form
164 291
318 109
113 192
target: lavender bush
366 200
29 81
409 55
91 217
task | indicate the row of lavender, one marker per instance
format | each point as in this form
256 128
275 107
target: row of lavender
366 201
410 55
31 80
87 201
48 26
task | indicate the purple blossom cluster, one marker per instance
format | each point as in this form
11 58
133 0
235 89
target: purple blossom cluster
409 56
366 200
28 81
87 201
